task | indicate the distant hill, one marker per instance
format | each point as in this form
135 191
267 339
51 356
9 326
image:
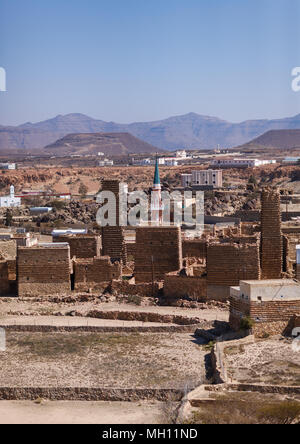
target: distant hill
112 144
277 139
191 131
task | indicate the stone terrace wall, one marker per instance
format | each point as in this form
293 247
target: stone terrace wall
158 251
89 273
180 287
271 236
43 270
194 248
82 246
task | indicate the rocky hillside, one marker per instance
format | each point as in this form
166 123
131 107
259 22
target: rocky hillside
276 139
192 131
111 144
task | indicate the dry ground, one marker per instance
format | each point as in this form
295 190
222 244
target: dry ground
136 360
271 361
15 306
67 412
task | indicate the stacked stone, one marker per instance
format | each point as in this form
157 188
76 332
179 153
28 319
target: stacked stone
271 236
229 263
43 270
4 279
91 272
194 248
81 245
158 251
113 242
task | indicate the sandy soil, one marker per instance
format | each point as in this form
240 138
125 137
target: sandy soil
272 361
135 360
14 306
73 322
23 412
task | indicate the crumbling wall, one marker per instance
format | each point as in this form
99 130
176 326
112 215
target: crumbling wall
113 244
82 245
43 270
4 281
8 249
92 273
271 236
144 289
181 287
194 248
158 252
229 262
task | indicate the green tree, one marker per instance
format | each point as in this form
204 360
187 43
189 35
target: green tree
83 190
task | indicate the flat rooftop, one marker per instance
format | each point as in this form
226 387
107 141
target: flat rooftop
271 282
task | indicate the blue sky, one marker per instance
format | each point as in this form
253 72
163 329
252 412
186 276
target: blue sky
140 60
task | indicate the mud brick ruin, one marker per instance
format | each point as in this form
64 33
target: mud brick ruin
81 245
4 279
271 236
113 243
43 269
194 248
228 262
91 274
158 251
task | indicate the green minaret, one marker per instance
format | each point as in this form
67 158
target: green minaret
156 175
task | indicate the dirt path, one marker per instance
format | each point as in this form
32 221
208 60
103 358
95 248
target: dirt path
67 412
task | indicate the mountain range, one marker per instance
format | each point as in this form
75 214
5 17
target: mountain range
191 131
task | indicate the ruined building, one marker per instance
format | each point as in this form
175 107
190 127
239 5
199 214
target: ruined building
91 274
43 269
81 245
230 260
113 243
158 251
271 236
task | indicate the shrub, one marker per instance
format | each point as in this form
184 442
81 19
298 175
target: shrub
247 323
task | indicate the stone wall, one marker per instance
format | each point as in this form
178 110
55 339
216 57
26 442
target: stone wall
92 273
271 236
126 288
82 246
113 244
232 260
4 280
181 287
270 317
88 394
43 270
158 252
194 248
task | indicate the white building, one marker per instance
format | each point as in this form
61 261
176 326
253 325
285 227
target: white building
8 166
205 178
181 154
241 163
10 201
106 162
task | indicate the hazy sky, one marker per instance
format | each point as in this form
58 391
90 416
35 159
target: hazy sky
139 60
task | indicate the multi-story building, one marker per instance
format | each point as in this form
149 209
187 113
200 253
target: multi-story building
241 163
